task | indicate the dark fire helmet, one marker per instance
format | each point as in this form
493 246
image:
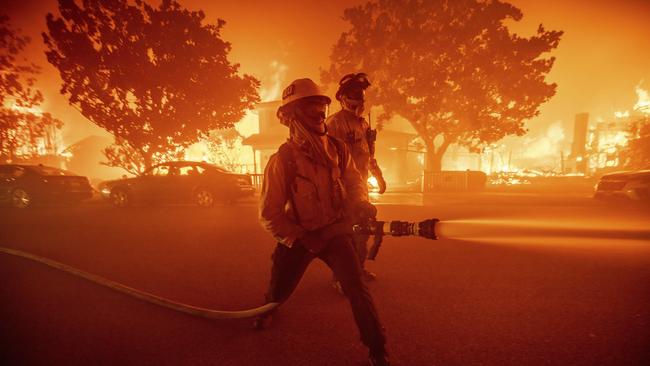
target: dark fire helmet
352 86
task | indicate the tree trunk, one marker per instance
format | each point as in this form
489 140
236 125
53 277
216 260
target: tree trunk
12 151
146 158
434 156
434 161
433 164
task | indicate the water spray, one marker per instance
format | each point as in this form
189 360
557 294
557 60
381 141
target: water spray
485 229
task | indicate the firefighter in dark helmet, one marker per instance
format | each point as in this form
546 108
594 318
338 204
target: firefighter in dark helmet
349 126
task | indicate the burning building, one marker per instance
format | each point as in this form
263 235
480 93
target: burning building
578 158
270 136
31 136
85 156
397 150
607 141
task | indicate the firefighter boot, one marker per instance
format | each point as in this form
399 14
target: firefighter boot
378 359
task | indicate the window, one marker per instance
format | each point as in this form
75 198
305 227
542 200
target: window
7 172
160 170
191 170
49 171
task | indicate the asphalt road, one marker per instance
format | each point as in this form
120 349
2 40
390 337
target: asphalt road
522 279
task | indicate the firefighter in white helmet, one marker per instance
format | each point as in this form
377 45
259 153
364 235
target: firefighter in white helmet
309 185
349 126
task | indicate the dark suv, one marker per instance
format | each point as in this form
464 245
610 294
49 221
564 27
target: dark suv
24 185
179 182
634 185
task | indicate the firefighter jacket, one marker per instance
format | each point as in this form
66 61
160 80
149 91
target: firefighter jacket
351 129
305 195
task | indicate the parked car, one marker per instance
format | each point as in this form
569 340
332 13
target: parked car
634 185
25 185
179 182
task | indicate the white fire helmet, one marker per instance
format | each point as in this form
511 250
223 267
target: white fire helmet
300 89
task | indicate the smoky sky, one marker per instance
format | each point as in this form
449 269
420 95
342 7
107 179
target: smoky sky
602 57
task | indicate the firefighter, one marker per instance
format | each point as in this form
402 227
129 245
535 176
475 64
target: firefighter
310 185
349 125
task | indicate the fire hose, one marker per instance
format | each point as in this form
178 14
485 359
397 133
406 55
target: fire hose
379 228
142 295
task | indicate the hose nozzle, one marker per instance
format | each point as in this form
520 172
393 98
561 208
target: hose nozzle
425 229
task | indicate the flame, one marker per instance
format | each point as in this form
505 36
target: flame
240 157
549 144
643 100
622 114
248 125
35 110
50 143
197 152
372 181
611 142
277 79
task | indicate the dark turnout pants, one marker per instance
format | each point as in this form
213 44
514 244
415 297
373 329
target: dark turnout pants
289 265
361 246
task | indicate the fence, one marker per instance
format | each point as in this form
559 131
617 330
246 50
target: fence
256 179
468 180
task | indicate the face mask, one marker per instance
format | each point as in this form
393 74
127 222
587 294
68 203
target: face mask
312 115
356 106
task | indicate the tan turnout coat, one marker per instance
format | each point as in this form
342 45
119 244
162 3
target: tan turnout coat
313 192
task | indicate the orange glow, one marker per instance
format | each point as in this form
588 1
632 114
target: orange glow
621 114
11 103
643 100
372 181
278 43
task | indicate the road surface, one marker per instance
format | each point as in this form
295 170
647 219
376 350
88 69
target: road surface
524 279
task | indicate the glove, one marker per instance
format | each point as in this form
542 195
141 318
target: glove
312 241
382 184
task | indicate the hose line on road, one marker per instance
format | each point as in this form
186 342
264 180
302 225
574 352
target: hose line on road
145 296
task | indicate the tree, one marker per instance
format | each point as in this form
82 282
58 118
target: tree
24 130
225 147
158 79
451 68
